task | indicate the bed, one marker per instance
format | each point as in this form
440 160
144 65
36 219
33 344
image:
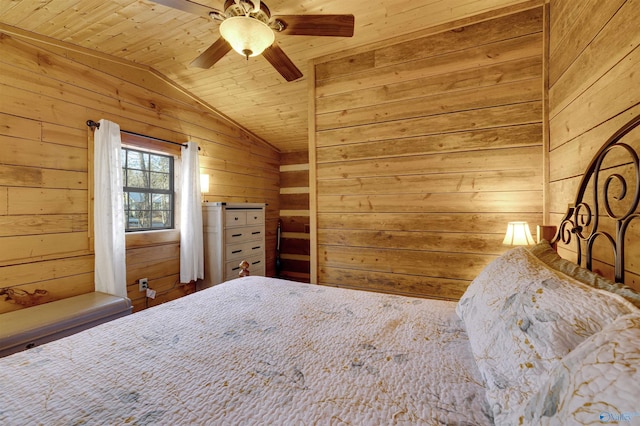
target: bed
534 340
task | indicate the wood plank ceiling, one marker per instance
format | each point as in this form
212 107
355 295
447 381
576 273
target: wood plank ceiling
250 92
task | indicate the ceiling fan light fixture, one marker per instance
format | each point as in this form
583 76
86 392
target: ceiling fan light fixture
247 36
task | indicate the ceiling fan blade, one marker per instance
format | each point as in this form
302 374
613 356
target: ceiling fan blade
281 62
213 54
189 6
318 25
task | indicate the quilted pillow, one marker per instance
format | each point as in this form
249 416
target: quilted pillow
548 255
521 318
596 383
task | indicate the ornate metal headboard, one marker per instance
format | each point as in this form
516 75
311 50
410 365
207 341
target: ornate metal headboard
609 192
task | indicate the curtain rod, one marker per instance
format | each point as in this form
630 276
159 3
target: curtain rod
93 124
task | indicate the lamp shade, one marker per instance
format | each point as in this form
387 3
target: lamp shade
518 234
248 36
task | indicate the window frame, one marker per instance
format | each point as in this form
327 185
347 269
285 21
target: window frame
126 149
149 143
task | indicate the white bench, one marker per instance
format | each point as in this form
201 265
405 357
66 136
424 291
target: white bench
29 327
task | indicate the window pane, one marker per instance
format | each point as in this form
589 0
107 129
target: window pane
161 219
137 179
134 160
159 164
143 173
139 201
138 160
132 221
145 218
160 181
161 202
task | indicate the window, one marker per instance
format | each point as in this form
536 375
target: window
148 190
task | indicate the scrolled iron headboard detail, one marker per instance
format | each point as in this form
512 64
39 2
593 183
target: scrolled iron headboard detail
582 222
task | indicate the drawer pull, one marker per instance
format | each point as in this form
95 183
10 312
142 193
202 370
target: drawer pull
255 263
236 268
236 218
256 233
236 235
237 251
256 247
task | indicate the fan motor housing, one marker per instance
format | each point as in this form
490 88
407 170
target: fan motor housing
244 8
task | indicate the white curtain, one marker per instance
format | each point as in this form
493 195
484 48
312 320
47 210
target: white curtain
108 211
191 238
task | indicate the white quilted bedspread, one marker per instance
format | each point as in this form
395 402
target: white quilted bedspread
255 351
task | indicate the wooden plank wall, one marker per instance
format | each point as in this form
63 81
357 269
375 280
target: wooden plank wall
594 89
47 92
294 212
424 150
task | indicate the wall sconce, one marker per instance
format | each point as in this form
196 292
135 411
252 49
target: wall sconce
518 234
204 185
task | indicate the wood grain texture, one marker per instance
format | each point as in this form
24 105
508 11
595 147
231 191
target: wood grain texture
594 91
512 159
295 245
404 262
423 155
252 92
385 282
475 98
496 116
573 28
413 240
35 272
465 79
479 56
4 201
611 42
518 180
282 63
603 100
449 222
499 137
45 157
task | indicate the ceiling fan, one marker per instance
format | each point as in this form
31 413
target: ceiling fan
247 27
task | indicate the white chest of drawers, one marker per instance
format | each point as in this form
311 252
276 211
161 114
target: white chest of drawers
233 232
